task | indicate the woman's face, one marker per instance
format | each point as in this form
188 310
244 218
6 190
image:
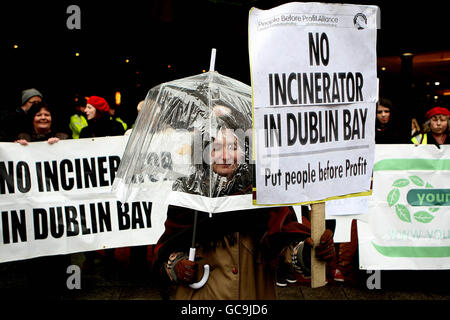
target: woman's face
383 114
439 123
90 111
226 153
42 120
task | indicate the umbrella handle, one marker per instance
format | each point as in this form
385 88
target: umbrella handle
205 277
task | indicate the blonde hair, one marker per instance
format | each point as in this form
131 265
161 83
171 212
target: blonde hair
427 127
415 124
139 106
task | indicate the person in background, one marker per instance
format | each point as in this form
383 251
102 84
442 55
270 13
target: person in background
114 116
40 126
78 120
100 125
435 129
138 108
46 276
99 122
29 98
415 127
15 121
386 130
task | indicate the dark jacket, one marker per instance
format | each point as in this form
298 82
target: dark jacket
102 127
33 137
388 135
13 123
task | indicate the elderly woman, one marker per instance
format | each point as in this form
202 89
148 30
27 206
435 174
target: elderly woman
243 248
228 173
435 129
41 126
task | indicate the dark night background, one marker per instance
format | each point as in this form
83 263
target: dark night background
154 35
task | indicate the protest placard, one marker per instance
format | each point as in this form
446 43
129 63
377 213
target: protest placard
313 70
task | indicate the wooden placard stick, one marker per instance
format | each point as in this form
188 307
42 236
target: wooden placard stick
317 229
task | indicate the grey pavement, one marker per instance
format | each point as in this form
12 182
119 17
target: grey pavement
122 282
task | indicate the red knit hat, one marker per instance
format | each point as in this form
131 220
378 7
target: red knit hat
437 110
99 103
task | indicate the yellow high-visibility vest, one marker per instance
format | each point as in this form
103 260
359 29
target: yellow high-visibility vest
420 139
125 126
77 122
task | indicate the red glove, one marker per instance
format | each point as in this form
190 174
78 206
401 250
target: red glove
186 271
324 250
301 255
180 269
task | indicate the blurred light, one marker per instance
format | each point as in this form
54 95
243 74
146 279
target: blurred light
127 60
118 98
437 83
436 97
15 46
446 92
169 66
203 70
77 54
383 68
407 54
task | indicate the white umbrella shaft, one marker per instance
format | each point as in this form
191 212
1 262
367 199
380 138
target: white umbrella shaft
213 60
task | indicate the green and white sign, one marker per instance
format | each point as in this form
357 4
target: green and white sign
409 212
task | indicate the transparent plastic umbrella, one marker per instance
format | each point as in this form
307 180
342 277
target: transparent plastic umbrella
190 147
172 153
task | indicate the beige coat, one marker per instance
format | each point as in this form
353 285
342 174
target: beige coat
236 273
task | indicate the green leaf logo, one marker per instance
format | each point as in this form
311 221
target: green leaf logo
400 183
417 181
423 217
403 212
393 197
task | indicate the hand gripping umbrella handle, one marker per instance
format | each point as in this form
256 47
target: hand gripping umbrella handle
205 277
